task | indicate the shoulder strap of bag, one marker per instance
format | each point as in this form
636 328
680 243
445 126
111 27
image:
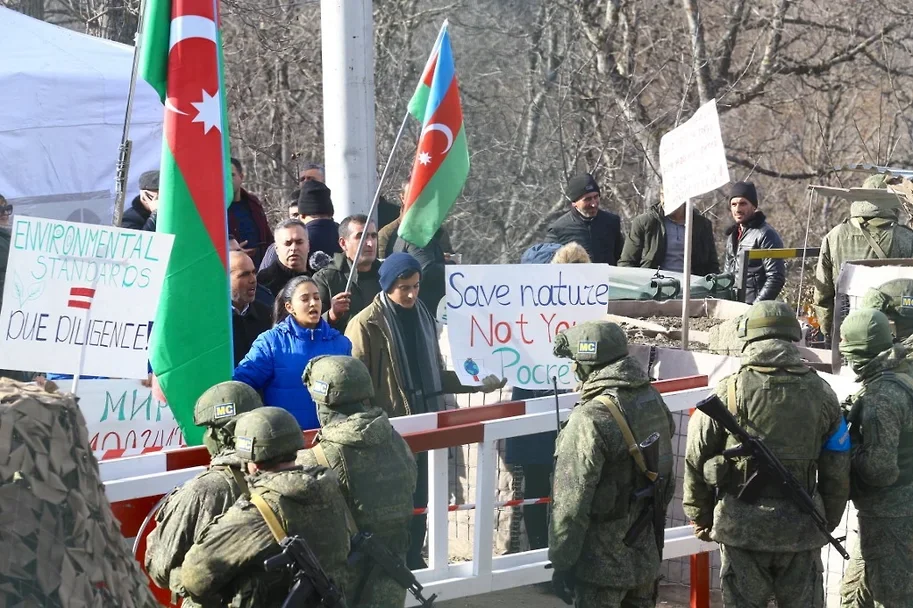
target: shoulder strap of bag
628 436
732 401
269 516
239 479
322 461
872 242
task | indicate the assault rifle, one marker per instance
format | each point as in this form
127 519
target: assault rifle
367 545
312 586
655 510
770 469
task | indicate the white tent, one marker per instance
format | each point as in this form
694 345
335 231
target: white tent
64 98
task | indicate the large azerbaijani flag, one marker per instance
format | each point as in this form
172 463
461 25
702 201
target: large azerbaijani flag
442 158
190 346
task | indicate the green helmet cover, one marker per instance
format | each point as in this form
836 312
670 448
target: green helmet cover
338 380
881 208
221 403
593 343
865 333
267 433
769 319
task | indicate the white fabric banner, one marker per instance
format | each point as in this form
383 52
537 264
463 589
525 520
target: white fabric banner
692 158
501 319
77 288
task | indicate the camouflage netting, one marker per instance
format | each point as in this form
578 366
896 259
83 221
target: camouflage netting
61 545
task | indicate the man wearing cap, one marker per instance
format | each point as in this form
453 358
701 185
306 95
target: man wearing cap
763 278
224 567
881 430
144 209
396 338
895 300
246 218
872 232
374 465
316 210
598 468
187 511
599 231
769 546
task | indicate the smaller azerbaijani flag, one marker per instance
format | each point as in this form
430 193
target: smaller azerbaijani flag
442 158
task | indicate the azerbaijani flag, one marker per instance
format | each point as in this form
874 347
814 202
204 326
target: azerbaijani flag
442 158
190 346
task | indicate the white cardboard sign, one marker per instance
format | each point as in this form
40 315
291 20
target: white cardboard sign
72 287
692 158
502 319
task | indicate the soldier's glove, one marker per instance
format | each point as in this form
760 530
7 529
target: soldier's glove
702 533
492 383
563 586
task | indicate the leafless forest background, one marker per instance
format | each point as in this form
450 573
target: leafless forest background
552 87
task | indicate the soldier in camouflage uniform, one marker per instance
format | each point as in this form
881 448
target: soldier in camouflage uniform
225 566
374 465
189 509
895 300
596 475
871 232
769 548
880 573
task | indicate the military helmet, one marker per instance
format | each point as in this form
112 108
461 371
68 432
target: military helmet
895 300
883 207
769 319
592 343
865 333
338 380
267 433
221 403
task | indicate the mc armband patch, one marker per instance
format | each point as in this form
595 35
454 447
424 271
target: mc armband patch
586 350
320 387
906 303
840 440
224 410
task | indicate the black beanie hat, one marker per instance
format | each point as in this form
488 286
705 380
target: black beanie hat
744 190
314 199
581 185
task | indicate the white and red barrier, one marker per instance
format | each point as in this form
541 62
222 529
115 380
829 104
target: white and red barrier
134 485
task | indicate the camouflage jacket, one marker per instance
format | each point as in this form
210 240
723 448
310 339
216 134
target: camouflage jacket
225 566
881 426
847 242
185 514
595 476
795 413
377 474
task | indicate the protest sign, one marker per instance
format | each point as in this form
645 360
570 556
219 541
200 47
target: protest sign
502 319
79 288
124 419
692 158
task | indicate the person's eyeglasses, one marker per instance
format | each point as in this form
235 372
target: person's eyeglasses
6 211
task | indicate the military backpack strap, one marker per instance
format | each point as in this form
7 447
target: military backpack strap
322 461
879 252
240 480
628 436
732 401
269 517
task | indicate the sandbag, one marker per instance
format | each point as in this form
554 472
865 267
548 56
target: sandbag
61 545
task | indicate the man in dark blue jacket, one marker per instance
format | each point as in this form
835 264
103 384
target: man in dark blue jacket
597 230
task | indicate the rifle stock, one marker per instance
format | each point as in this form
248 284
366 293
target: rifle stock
770 469
310 577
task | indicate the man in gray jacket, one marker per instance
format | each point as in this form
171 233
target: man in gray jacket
764 278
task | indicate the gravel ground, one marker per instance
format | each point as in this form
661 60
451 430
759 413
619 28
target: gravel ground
670 596
638 335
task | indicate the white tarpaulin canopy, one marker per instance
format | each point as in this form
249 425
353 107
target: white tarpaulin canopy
64 98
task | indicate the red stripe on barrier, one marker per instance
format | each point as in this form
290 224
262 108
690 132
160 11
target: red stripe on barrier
198 456
681 384
700 580
483 413
423 441
131 513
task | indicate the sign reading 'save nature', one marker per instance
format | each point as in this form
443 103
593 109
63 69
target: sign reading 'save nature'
502 319
72 287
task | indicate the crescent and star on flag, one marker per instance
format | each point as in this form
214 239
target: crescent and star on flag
424 156
209 108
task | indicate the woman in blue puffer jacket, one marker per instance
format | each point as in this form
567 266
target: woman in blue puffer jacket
277 358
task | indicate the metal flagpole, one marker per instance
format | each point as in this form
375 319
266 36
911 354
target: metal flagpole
126 145
686 279
383 177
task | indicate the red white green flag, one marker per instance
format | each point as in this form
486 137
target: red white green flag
442 158
190 346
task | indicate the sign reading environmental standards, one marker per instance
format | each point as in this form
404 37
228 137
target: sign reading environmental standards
502 319
692 158
73 286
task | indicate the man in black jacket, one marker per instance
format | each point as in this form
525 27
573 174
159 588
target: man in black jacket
657 240
249 318
597 230
331 281
764 278
143 210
